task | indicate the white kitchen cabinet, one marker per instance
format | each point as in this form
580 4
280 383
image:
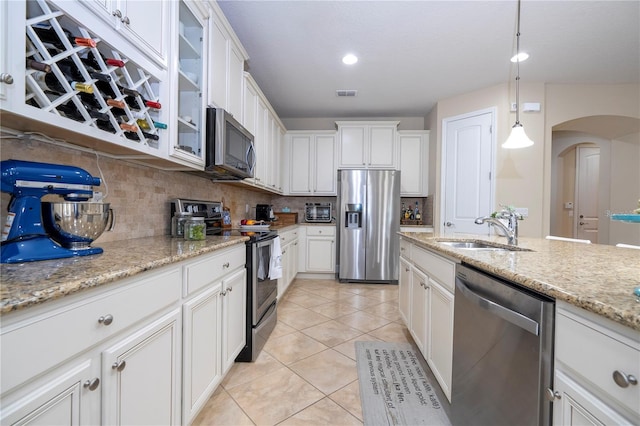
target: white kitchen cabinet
404 290
214 323
320 253
70 395
90 120
289 244
420 295
226 65
202 350
425 301
439 349
367 144
6 79
597 365
414 162
140 375
144 24
261 120
234 318
191 44
312 163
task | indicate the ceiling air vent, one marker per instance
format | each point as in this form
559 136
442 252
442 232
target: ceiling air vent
346 93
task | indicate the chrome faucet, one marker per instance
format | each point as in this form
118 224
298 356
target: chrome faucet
511 229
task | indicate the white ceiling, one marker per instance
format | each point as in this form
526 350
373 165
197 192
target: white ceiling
414 53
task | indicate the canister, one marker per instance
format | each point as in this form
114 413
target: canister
195 229
177 223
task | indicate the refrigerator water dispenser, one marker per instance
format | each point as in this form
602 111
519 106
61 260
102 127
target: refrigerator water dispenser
353 216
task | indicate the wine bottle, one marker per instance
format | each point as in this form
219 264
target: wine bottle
150 136
48 82
132 102
127 91
105 125
38 66
91 60
115 103
143 124
134 136
152 104
71 111
105 88
72 68
128 127
159 125
48 35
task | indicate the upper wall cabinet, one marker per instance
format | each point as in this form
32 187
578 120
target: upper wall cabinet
413 148
144 23
367 144
311 163
190 85
268 131
226 66
73 78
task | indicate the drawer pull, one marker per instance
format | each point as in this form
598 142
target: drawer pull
225 265
119 365
553 395
92 384
106 319
624 380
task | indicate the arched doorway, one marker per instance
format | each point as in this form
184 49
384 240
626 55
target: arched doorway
617 140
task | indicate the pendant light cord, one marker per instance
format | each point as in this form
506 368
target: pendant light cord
518 68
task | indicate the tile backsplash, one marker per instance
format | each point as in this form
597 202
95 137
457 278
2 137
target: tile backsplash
139 195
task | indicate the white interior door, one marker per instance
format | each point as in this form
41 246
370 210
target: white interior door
467 170
587 181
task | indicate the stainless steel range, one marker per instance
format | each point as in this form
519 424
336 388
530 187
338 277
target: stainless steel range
262 291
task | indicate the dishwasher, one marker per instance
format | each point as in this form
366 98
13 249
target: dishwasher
502 352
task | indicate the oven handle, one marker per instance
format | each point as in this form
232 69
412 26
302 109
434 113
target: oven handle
506 314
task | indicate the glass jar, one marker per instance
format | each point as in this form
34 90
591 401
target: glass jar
195 229
177 223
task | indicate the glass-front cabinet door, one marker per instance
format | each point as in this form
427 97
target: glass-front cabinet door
191 83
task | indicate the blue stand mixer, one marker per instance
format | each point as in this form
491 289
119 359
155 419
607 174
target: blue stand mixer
24 238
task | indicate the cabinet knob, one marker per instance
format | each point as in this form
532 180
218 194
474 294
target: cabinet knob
624 380
106 319
6 78
92 384
407 269
225 265
448 224
552 395
125 20
119 365
224 293
117 13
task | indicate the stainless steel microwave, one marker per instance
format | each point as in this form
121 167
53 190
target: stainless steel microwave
229 147
317 212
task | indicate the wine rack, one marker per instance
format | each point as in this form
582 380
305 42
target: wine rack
71 72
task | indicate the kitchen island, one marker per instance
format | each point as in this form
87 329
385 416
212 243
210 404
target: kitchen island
595 277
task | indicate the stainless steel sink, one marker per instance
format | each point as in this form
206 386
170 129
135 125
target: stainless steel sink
480 245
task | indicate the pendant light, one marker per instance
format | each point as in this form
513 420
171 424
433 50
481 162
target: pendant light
517 138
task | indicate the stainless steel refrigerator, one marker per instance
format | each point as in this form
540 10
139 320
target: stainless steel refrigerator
368 222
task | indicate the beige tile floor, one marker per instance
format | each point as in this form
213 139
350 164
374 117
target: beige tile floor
306 373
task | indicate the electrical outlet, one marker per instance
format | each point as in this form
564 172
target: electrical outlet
514 107
246 208
524 211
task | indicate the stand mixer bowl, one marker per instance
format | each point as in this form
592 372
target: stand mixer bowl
75 225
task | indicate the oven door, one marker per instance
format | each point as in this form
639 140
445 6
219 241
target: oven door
265 289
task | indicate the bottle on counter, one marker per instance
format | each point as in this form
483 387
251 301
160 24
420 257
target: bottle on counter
416 212
403 211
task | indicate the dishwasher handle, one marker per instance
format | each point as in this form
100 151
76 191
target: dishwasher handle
506 314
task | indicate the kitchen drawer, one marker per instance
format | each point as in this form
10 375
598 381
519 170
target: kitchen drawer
322 231
212 268
405 248
288 236
436 267
595 356
34 345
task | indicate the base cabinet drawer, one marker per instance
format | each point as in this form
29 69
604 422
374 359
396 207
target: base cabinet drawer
438 268
68 330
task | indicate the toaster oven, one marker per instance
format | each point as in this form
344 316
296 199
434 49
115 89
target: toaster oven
317 212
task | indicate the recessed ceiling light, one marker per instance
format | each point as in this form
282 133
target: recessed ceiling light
350 59
520 57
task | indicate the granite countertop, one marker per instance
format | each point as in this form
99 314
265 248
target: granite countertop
32 283
596 277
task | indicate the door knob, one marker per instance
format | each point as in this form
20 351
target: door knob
581 223
448 224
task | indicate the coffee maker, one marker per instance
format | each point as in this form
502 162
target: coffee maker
264 212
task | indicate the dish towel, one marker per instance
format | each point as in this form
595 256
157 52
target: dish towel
275 266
